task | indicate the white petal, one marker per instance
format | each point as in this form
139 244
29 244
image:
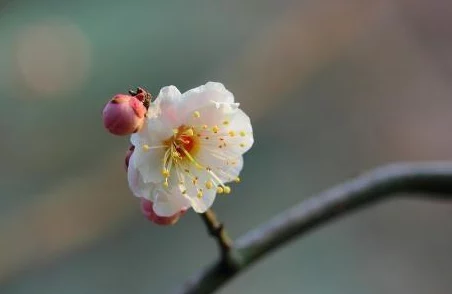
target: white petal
153 132
158 131
169 202
231 171
168 95
213 113
142 136
236 121
167 103
201 96
211 91
136 183
200 204
148 163
240 123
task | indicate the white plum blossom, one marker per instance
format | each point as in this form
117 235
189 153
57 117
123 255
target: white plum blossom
188 148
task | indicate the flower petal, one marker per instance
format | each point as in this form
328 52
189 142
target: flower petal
232 171
243 140
136 184
169 202
148 211
213 113
234 135
168 95
148 163
166 105
201 96
199 203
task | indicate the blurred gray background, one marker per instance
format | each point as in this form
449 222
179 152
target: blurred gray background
333 88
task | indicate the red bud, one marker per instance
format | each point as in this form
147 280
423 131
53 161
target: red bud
148 211
123 115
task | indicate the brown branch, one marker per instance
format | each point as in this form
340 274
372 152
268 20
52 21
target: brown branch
216 230
429 180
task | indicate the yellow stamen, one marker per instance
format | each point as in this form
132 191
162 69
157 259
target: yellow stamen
146 147
199 195
220 190
226 122
242 133
215 129
227 189
165 172
192 159
231 133
189 132
237 180
204 127
209 185
242 145
196 114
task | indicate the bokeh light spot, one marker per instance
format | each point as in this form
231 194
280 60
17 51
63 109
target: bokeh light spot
52 57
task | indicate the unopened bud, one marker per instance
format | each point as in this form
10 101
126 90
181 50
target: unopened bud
148 211
123 115
142 95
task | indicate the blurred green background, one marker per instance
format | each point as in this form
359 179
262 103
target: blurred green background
333 87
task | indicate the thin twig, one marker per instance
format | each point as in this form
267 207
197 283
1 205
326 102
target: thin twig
216 230
429 180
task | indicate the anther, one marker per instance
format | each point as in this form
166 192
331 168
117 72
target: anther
220 190
209 185
237 180
231 133
227 189
146 147
165 172
215 129
242 145
196 114
242 133
226 122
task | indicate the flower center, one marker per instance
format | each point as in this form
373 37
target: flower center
180 157
181 148
183 143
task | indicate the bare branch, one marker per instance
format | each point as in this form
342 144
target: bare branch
216 230
431 180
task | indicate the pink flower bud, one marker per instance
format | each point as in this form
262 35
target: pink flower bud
128 155
148 211
123 115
